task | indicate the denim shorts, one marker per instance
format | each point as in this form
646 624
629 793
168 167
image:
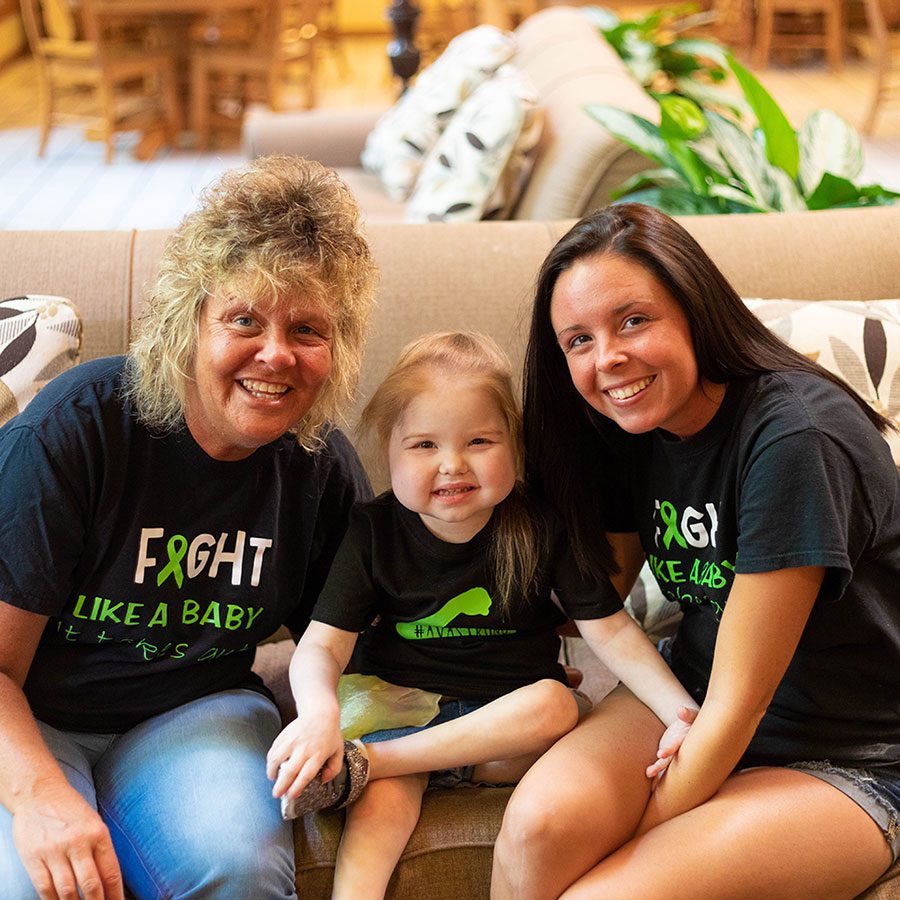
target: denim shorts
877 791
453 708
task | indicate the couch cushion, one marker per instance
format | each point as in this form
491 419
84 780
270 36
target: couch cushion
858 341
571 64
405 133
40 336
92 269
448 857
478 165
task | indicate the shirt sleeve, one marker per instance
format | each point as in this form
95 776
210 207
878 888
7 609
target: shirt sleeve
44 517
801 504
345 484
349 597
580 596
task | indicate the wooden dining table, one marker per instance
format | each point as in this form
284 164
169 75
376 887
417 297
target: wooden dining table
175 23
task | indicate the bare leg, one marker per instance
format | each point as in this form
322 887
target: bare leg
524 722
768 832
376 831
579 802
505 771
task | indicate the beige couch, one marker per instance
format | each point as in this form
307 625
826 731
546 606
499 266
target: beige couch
577 164
473 276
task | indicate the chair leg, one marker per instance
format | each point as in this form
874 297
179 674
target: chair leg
834 36
878 93
45 103
765 24
108 112
200 102
171 103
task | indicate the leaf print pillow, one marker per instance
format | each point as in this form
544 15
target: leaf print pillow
403 136
856 340
40 336
478 167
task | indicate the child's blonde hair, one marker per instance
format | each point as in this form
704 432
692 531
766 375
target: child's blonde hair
475 357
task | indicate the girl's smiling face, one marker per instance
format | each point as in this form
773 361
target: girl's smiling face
452 459
628 346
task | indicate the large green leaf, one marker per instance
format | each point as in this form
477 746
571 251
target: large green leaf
680 118
705 95
744 157
633 130
676 201
649 178
697 47
828 144
782 148
784 196
736 197
833 191
708 150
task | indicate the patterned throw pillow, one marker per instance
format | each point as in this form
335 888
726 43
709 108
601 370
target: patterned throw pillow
403 136
40 336
656 615
859 341
482 160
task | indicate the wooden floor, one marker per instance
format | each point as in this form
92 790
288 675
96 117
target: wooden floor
72 188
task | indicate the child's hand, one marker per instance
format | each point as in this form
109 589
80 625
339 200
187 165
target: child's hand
671 741
303 750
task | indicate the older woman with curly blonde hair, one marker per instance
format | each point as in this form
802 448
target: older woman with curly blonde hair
182 503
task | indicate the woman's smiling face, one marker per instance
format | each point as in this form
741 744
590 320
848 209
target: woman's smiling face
258 369
629 349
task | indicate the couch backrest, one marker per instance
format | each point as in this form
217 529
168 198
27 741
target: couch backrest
478 276
578 162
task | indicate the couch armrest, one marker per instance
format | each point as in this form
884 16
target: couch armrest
334 137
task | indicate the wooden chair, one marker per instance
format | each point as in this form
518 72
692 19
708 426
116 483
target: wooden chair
278 54
881 43
775 30
132 88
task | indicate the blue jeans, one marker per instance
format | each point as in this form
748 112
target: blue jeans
186 799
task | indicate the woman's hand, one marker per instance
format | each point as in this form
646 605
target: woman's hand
671 741
65 846
307 747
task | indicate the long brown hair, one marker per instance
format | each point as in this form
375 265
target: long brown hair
565 443
463 354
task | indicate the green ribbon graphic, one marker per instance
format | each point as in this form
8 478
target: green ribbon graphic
176 548
669 515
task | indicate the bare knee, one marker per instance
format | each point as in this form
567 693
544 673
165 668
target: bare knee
535 821
385 805
554 711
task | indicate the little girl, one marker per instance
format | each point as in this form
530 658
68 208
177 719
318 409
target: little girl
457 564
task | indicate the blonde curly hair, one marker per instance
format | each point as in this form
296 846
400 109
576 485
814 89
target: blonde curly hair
280 227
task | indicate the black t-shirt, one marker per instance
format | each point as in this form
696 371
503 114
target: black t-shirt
160 568
788 473
439 628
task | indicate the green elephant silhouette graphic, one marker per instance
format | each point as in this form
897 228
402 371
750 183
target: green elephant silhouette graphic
473 602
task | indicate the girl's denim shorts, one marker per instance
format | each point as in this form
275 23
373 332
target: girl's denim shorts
453 708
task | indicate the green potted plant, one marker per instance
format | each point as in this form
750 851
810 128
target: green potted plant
708 161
